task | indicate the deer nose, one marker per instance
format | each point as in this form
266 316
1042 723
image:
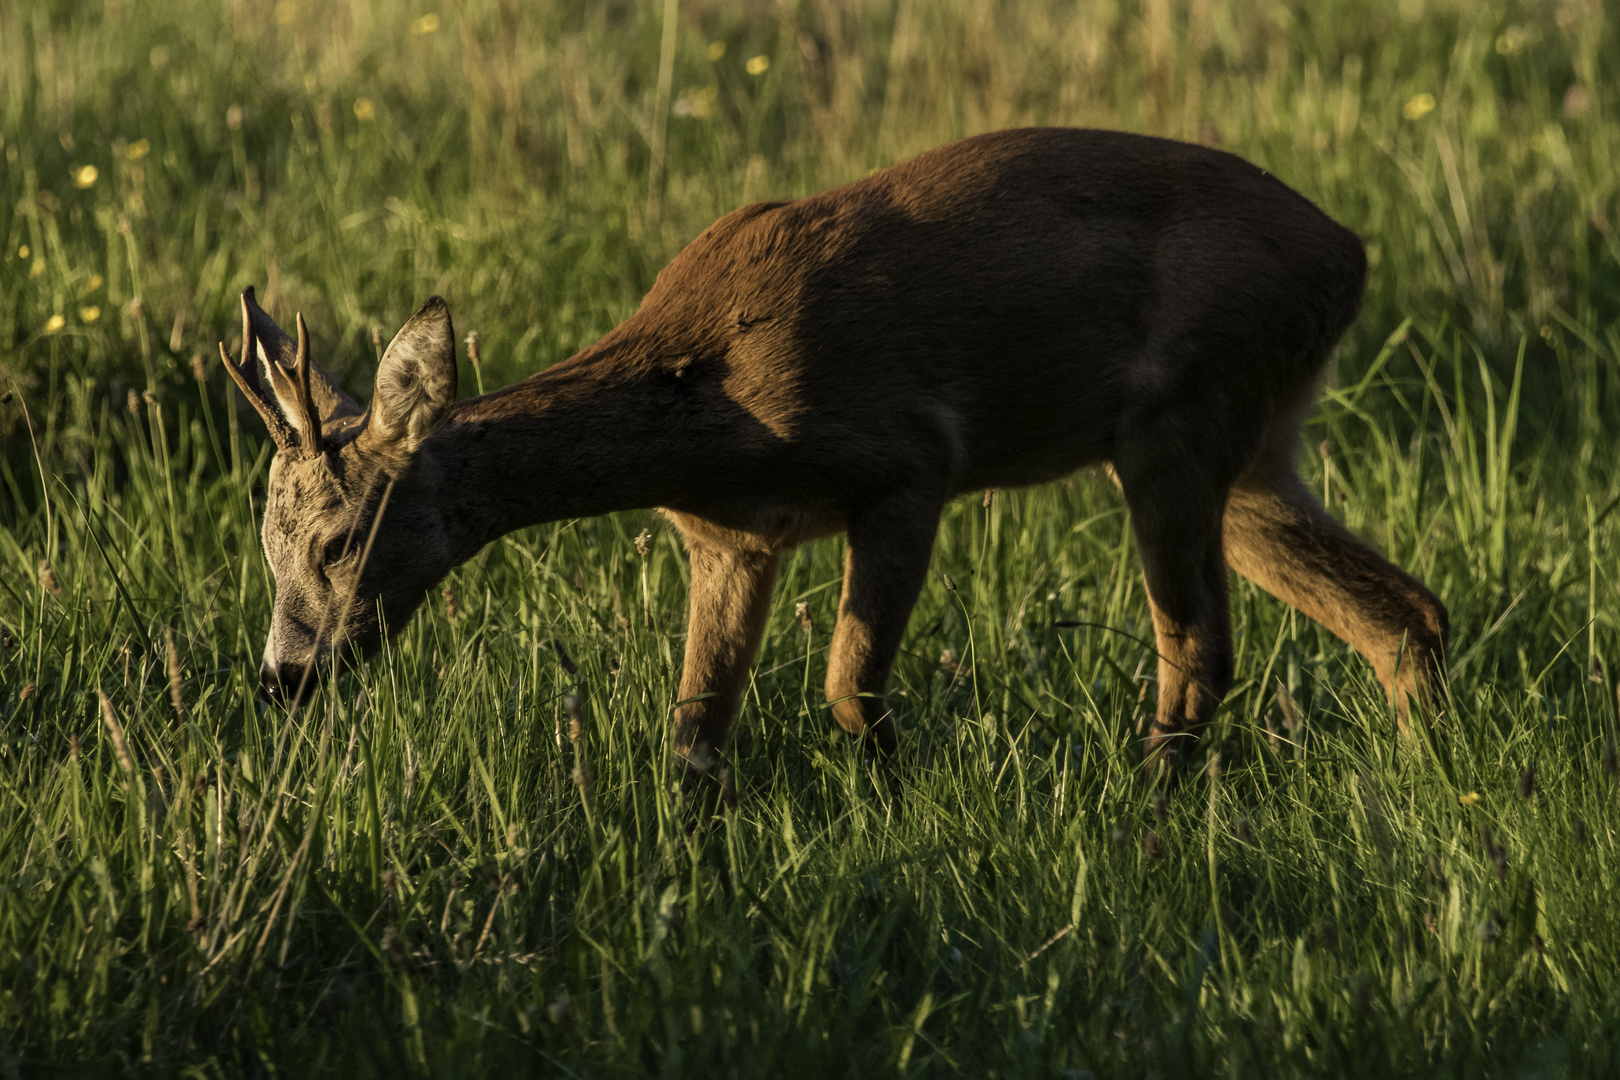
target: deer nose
278 683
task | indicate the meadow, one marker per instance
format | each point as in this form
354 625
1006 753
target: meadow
470 855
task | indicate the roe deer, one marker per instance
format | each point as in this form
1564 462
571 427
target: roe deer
997 312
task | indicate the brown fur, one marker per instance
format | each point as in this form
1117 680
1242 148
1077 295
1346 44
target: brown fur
997 312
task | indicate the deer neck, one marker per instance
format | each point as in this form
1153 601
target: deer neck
551 448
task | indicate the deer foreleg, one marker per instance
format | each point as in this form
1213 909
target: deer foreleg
730 599
889 547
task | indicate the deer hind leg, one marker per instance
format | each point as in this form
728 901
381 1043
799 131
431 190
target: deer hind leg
730 599
1278 535
889 547
1175 496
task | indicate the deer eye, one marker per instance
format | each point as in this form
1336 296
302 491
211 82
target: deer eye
338 550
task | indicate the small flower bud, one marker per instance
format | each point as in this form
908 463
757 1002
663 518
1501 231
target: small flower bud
643 542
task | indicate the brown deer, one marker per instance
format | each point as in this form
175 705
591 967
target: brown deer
996 312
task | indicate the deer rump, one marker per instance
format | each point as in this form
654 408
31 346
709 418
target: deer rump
993 313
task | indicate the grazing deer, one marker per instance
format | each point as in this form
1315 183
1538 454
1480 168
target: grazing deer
997 312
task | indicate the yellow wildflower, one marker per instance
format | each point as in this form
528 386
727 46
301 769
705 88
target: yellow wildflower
1469 799
138 149
85 176
24 251
364 109
426 24
54 323
758 65
1419 107
90 314
717 49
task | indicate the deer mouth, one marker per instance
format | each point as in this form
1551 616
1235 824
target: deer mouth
287 684
292 684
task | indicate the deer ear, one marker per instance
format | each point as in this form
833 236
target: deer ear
416 381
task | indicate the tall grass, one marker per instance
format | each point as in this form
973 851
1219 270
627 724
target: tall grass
472 857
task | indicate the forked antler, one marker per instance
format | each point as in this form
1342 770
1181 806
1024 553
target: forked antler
246 377
305 432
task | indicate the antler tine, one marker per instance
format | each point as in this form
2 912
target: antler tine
246 377
247 381
311 425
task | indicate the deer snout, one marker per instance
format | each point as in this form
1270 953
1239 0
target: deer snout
281 684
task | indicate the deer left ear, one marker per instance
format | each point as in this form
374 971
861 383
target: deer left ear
416 382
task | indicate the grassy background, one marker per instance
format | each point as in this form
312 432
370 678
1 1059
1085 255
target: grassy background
433 877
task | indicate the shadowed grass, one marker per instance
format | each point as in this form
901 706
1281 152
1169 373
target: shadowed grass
470 856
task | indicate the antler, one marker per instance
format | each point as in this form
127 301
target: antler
246 377
311 417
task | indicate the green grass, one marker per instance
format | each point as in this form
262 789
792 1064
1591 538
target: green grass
409 878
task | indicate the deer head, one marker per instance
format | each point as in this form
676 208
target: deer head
351 532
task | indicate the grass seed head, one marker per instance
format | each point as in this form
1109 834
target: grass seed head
47 579
950 583
802 610
576 718
472 348
449 604
948 661
643 542
176 683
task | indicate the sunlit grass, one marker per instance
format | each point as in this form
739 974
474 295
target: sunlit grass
472 858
